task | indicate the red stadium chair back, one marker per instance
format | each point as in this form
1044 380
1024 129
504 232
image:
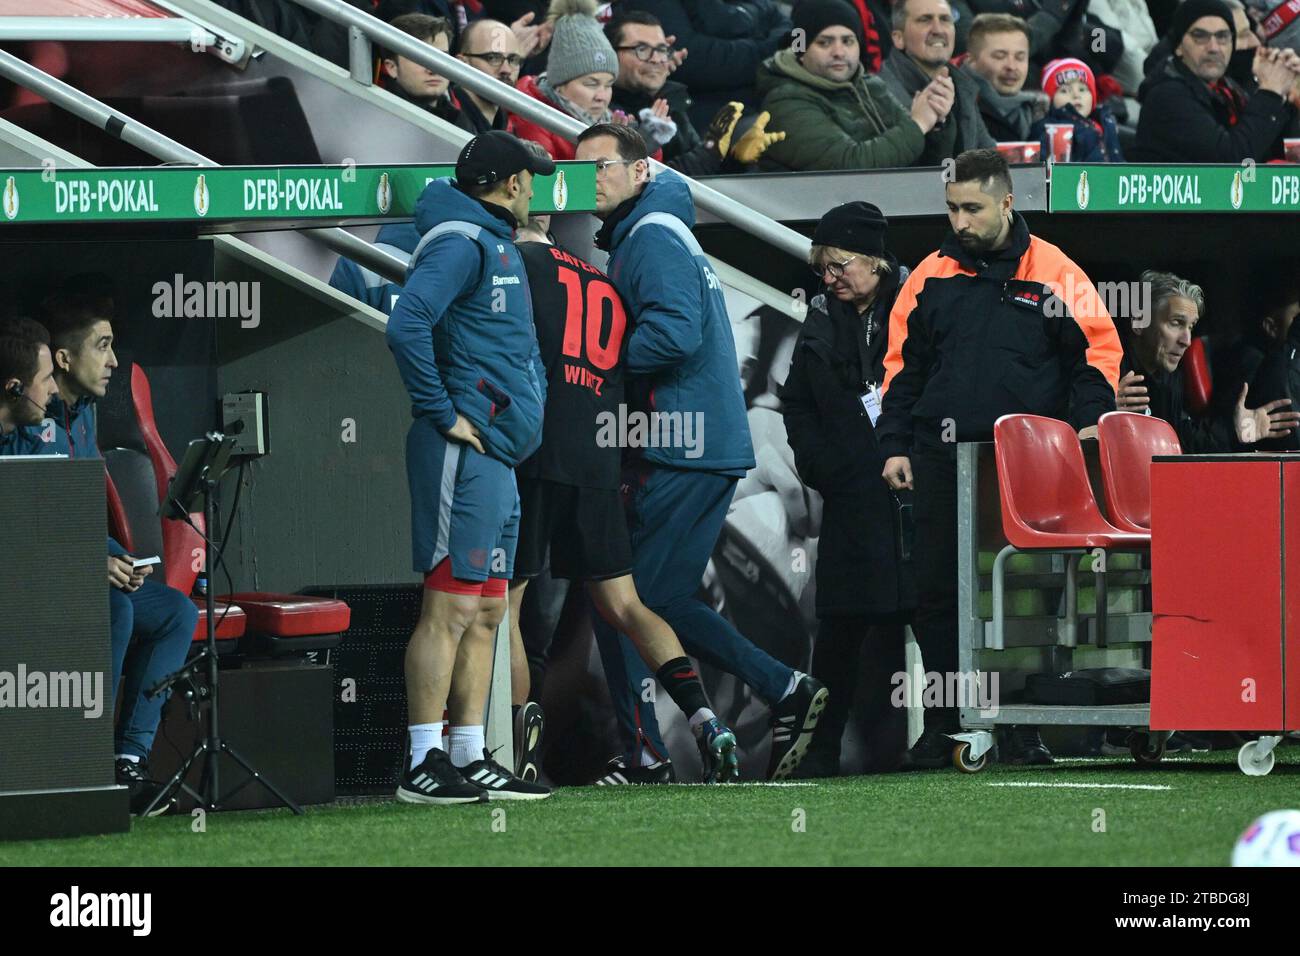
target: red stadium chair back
1128 443
1047 500
182 545
1197 383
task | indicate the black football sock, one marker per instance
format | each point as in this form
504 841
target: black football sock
680 679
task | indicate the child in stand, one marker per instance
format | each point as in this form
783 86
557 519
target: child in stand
1072 89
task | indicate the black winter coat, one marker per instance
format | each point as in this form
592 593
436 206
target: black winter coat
1184 121
858 568
726 41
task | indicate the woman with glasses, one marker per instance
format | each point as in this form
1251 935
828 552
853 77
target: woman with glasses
830 401
579 80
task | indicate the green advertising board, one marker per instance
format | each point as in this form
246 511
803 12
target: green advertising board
207 194
1249 187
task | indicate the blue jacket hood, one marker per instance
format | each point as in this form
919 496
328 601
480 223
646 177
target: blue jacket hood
442 202
399 235
668 193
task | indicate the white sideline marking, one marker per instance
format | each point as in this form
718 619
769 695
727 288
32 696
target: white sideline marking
1120 757
1087 786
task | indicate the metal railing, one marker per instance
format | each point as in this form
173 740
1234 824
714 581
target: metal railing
492 89
119 125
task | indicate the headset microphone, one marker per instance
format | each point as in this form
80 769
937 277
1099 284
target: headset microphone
15 391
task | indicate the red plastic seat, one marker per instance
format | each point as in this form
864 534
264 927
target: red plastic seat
1047 500
1197 380
230 625
292 615
1128 443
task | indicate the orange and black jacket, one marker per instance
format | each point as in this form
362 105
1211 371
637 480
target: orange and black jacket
971 339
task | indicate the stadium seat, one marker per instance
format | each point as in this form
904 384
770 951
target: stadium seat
142 466
1197 380
289 624
1128 442
1048 506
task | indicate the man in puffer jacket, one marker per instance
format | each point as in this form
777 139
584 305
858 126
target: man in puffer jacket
834 115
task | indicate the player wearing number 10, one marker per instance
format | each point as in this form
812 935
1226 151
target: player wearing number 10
569 490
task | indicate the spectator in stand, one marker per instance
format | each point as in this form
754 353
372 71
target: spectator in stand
727 41
1131 19
997 58
527 18
1193 113
1278 23
579 79
834 115
1240 64
1060 28
418 84
874 18
924 35
1073 91
1151 376
491 47
642 89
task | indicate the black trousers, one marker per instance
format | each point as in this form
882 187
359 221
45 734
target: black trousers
934 477
859 657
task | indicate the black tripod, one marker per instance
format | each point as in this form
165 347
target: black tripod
205 462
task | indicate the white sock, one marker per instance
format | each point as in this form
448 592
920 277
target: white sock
467 745
648 758
699 717
424 737
795 678
131 757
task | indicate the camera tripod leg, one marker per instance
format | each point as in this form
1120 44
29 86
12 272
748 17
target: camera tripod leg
253 775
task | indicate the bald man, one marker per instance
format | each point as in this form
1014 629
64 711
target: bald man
490 47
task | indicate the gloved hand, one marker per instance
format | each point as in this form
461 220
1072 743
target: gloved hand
657 126
755 141
722 126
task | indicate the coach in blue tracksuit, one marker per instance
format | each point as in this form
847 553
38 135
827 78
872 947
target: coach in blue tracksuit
398 239
681 355
463 337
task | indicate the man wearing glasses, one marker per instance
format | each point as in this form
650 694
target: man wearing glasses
490 47
645 59
1192 112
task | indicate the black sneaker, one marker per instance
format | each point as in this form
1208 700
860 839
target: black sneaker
932 751
1022 747
498 783
793 722
148 797
437 782
817 764
618 773
530 722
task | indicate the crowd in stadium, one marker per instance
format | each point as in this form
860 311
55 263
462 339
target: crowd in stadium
731 85
885 359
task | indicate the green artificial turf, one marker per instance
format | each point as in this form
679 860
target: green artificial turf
935 817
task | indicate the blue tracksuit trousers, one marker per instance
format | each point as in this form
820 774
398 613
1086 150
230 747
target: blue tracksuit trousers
675 517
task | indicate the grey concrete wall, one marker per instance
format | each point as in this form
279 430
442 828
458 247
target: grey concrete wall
317 509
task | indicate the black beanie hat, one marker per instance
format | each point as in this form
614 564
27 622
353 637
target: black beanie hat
814 16
853 227
1189 11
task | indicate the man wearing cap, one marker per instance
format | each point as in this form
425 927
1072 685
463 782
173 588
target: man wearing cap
1192 112
679 483
834 114
462 334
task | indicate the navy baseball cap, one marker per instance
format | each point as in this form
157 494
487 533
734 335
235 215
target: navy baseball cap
496 155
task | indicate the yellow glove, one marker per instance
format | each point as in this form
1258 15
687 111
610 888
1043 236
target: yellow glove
722 126
755 141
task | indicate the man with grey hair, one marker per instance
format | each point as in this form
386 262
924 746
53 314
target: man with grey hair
1152 377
